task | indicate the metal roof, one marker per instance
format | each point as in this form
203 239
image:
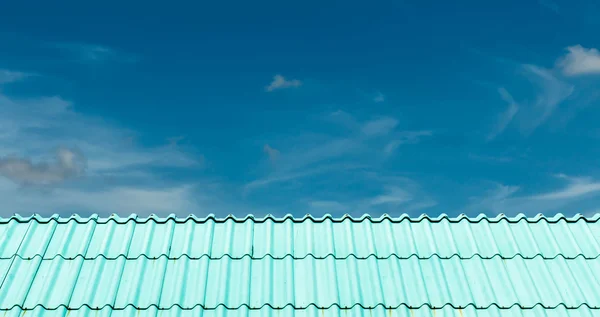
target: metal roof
306 266
310 312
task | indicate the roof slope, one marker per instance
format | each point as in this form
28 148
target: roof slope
300 266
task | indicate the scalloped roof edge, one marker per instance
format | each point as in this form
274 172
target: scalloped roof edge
304 307
309 256
288 217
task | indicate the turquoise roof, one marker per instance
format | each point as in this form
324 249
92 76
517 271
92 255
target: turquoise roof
306 266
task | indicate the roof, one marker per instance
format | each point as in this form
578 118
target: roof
306 266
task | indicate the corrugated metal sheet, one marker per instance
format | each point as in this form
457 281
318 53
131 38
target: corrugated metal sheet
300 283
301 266
340 238
311 312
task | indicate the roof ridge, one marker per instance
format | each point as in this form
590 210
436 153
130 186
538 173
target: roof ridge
288 217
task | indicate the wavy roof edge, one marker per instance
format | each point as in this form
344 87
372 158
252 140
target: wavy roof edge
269 256
288 308
305 307
288 217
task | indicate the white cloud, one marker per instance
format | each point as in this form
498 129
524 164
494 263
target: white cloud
505 118
397 191
122 200
317 151
34 127
379 97
502 198
92 53
379 126
406 137
576 187
7 76
68 163
108 171
96 52
271 152
288 175
269 180
393 195
502 192
279 82
310 154
392 146
498 199
552 92
305 161
580 61
343 118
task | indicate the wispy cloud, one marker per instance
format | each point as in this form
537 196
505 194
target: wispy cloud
504 198
96 52
551 93
96 165
280 82
68 163
490 158
174 141
304 162
121 199
319 150
33 127
280 177
405 137
343 118
576 187
393 195
399 190
359 146
8 76
498 199
502 192
92 53
271 152
380 126
392 146
552 90
580 61
505 118
379 97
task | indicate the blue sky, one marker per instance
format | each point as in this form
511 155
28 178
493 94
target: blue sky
277 107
